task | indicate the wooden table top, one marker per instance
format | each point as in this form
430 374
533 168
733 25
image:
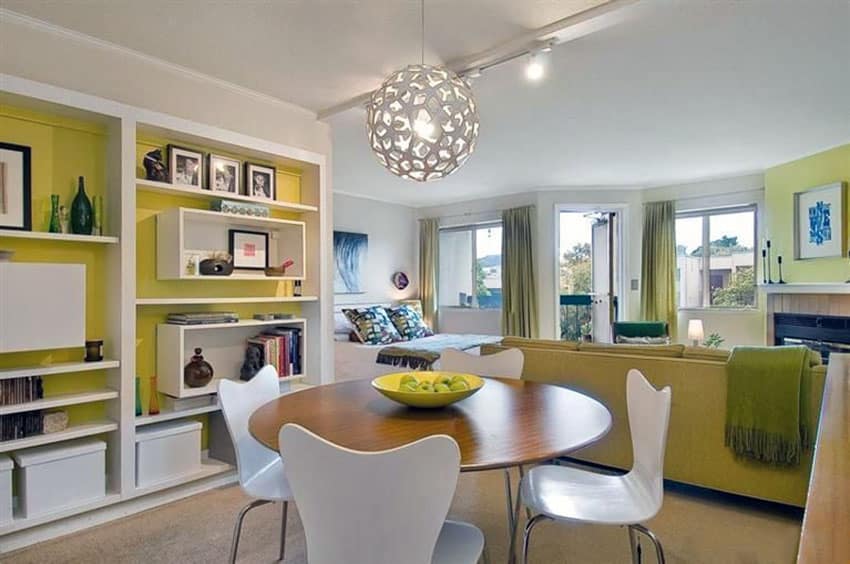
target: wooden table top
508 422
825 538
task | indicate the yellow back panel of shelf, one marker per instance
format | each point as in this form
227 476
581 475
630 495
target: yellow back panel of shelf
62 150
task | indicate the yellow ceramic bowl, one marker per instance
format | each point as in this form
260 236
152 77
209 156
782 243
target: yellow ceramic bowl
389 384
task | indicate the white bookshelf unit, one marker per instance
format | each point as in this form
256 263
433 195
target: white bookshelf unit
140 276
183 230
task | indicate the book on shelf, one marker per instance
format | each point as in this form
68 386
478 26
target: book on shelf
202 318
280 347
21 425
21 390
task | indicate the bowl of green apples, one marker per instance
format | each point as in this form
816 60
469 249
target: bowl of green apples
428 389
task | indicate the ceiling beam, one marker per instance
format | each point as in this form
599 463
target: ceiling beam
566 29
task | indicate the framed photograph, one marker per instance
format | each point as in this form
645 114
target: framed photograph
819 224
15 189
259 181
223 174
186 167
249 249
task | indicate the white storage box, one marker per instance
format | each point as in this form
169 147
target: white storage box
5 490
167 451
60 476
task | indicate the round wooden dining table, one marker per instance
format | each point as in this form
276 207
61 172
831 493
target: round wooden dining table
507 423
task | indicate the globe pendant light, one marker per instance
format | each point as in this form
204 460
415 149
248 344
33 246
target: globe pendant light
422 122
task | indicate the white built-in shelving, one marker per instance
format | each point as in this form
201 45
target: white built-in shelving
20 523
181 231
60 400
56 368
232 300
174 189
57 237
209 467
76 431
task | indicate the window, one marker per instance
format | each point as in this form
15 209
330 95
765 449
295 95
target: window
716 258
471 266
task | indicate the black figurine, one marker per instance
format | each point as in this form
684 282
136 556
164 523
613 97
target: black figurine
779 261
253 363
155 168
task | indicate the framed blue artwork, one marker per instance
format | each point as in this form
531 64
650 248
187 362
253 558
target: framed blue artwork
819 224
350 250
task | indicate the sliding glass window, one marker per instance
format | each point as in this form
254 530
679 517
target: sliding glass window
471 266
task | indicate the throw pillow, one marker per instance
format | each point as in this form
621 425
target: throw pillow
643 340
409 323
372 325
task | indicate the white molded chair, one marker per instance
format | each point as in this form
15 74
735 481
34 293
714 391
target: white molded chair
504 364
382 507
260 469
563 493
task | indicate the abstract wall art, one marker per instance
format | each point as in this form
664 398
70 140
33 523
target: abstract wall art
350 250
819 227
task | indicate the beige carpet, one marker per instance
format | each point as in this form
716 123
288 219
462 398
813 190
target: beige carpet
694 530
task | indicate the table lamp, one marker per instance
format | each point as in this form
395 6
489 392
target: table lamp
695 331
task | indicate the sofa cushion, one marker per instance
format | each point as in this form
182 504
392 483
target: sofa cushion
673 351
706 353
372 325
515 342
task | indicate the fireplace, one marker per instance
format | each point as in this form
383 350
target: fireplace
823 333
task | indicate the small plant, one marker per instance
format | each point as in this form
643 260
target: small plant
713 341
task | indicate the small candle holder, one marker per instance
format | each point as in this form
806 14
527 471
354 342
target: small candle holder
769 277
779 262
94 351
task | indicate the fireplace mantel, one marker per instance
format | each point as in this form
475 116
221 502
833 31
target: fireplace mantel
806 288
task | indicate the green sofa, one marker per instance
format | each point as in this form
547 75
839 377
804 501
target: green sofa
695 446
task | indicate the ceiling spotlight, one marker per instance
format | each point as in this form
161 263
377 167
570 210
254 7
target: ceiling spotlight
535 68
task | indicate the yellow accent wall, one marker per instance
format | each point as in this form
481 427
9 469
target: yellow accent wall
62 150
781 182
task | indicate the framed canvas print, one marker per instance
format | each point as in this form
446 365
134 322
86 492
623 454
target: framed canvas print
819 228
15 189
259 181
223 174
249 249
350 250
185 167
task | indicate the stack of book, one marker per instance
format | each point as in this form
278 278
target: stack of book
21 390
20 425
280 347
202 318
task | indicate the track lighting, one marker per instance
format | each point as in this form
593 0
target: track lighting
535 67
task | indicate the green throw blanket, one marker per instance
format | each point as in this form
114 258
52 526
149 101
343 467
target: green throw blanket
767 402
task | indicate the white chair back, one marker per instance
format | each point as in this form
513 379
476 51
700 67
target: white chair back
238 401
370 507
649 418
504 364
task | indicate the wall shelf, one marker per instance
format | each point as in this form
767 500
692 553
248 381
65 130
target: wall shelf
234 300
60 401
19 523
57 368
168 188
806 288
142 420
238 325
209 467
66 237
72 432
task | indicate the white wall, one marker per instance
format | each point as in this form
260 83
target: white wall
393 246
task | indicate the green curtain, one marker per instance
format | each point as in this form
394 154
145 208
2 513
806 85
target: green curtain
429 261
519 292
658 264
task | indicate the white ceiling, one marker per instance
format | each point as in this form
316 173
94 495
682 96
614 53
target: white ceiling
314 53
680 91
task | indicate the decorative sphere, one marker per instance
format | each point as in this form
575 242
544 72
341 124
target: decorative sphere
422 122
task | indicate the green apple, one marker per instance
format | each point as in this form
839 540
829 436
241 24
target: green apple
459 386
409 378
408 387
442 380
457 378
425 386
441 387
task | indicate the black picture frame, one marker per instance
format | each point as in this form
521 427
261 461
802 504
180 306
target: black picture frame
173 153
211 173
270 171
26 186
231 246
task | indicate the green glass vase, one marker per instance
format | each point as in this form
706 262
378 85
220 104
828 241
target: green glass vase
55 226
81 211
138 396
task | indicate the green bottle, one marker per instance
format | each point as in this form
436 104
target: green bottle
138 397
81 212
54 226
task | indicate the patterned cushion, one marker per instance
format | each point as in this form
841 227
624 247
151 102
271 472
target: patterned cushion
372 325
409 322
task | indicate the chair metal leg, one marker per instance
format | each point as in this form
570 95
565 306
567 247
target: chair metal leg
521 476
509 498
283 529
527 536
515 521
485 554
237 531
659 550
